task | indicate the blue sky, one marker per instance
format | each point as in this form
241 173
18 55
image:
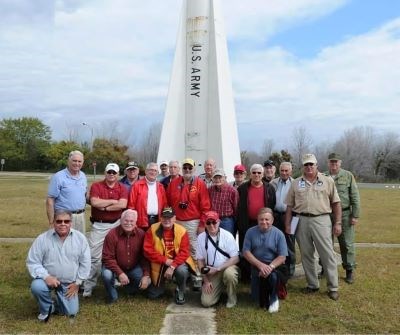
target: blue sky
326 65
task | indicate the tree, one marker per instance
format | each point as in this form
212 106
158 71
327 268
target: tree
266 150
301 144
58 152
148 146
24 142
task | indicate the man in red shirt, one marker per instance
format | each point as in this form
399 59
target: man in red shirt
224 200
166 246
108 199
123 260
148 198
188 196
253 195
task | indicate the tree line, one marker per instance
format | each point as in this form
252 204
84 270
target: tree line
26 145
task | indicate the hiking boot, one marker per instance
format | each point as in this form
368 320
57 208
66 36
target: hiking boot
349 277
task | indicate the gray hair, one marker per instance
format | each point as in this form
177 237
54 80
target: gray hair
127 212
265 210
150 165
75 152
58 212
256 167
288 164
173 162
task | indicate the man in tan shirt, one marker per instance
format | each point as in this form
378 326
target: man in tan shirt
312 198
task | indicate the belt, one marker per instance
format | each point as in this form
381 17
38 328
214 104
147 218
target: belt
312 215
92 220
79 211
346 209
152 218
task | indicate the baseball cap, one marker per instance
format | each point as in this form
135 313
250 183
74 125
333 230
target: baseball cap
211 215
132 165
167 212
218 172
309 158
163 163
240 168
268 162
334 157
112 166
188 161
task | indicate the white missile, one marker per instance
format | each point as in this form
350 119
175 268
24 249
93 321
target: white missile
199 120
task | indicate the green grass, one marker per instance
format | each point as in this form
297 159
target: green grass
368 306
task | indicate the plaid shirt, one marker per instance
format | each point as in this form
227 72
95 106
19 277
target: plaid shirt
224 200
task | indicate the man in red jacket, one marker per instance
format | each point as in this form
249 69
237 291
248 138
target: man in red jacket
188 196
148 198
123 260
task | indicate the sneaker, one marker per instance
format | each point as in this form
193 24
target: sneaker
197 283
274 307
46 317
87 293
334 295
310 290
232 300
179 297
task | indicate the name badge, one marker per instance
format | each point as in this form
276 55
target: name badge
302 184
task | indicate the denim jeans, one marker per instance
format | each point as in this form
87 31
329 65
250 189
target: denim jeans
42 293
228 223
134 275
181 275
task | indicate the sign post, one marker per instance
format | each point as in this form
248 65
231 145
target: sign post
94 170
2 161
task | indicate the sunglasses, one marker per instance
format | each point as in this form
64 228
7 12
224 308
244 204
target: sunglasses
209 222
111 172
309 164
238 172
63 221
256 172
188 167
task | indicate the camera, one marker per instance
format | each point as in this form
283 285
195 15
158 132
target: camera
183 205
204 270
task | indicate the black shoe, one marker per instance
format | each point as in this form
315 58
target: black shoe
334 295
310 290
349 277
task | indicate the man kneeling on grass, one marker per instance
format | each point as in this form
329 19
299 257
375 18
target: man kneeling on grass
265 248
217 255
59 260
123 260
166 246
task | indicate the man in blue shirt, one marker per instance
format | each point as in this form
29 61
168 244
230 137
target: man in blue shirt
67 191
59 259
264 247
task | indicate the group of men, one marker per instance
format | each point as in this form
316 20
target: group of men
177 225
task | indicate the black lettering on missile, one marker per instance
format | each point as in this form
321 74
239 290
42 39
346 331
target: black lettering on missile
195 80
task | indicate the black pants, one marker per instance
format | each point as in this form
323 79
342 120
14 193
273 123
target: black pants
279 222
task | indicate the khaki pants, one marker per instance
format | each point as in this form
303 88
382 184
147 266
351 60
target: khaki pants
79 222
316 233
228 278
96 240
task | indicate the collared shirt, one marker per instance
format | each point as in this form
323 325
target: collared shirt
67 260
312 198
122 252
68 191
125 181
205 249
224 199
207 181
152 200
282 189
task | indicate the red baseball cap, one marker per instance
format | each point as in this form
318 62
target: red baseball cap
240 168
211 215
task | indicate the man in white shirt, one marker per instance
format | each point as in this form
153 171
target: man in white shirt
217 255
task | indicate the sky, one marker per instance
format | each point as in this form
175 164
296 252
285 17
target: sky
324 65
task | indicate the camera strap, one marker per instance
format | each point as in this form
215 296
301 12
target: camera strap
182 186
216 246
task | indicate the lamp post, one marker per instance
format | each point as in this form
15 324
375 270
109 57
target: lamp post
91 134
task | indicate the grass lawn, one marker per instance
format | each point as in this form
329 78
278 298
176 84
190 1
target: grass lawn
368 306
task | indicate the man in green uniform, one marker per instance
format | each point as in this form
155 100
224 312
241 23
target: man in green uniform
350 201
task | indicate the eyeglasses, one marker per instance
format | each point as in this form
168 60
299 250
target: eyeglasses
309 164
209 222
188 168
238 172
111 172
256 172
63 221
